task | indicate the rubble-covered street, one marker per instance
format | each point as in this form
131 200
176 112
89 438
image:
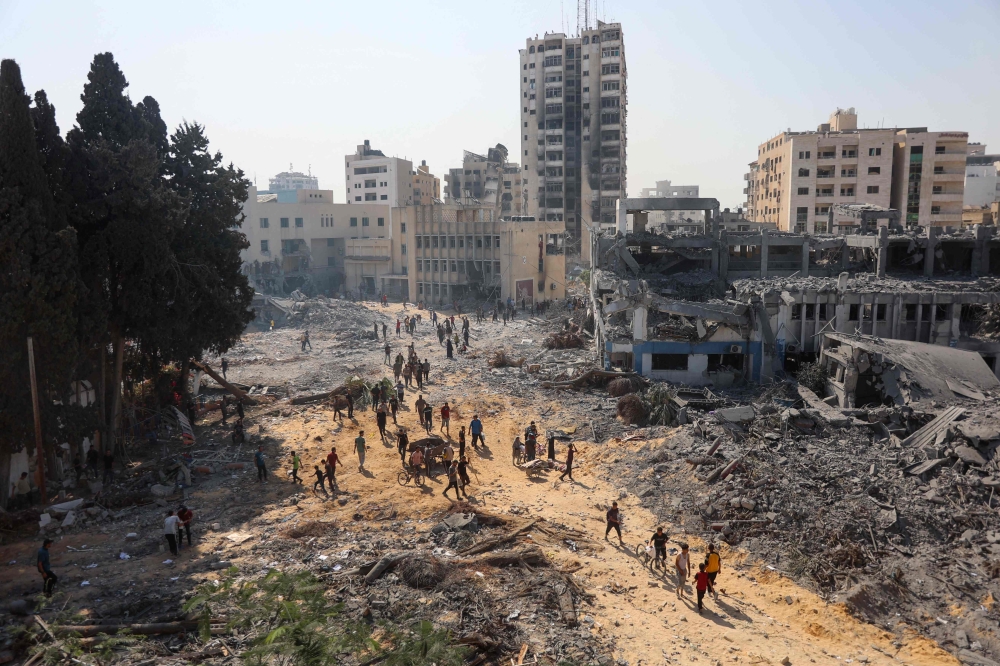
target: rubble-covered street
521 570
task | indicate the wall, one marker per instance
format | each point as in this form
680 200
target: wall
520 254
982 184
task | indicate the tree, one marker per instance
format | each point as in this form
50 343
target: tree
39 287
126 215
210 301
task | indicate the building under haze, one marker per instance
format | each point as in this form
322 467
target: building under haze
799 176
573 120
372 177
426 186
488 179
292 180
670 221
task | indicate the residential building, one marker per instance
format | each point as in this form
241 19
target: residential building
982 177
293 180
477 181
798 176
573 128
671 221
928 176
513 193
426 186
374 178
973 215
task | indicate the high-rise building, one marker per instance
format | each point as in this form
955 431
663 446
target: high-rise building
426 186
799 176
293 180
373 177
573 120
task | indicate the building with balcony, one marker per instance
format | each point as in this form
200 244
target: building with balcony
426 186
374 178
573 128
292 180
798 177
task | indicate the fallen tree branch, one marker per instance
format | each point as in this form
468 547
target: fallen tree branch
207 369
490 544
142 629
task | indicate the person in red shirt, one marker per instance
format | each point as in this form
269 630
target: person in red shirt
332 460
702 584
185 515
446 418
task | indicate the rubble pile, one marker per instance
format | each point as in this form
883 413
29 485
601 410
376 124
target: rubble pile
891 510
862 282
563 340
631 409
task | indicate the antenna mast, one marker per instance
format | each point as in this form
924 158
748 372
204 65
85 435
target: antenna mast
582 16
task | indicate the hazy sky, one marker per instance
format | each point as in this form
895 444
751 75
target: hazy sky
304 83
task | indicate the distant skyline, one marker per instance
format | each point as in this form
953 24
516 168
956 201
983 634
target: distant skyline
304 83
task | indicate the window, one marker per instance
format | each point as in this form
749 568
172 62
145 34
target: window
553 108
371 196
847 191
364 221
670 361
552 61
381 222
874 171
614 68
384 197
284 222
263 223
939 169
420 243
434 241
940 312
796 312
610 52
331 261
874 152
935 210
263 247
330 242
803 173
486 241
910 312
357 198
609 85
553 92
802 213
451 241
852 314
873 189
298 222
611 102
434 265
804 155
939 150
454 266
803 190
402 227
354 221
468 242
880 312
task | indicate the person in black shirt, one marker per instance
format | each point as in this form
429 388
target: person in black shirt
92 461
659 541
402 443
614 523
109 464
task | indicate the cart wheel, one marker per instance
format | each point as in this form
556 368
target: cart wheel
402 477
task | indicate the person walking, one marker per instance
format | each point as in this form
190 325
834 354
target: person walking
350 406
552 446
450 349
702 584
659 543
393 407
463 472
428 418
398 323
332 460
397 366
385 331
614 523
239 409
225 367
170 531
376 393
109 465
375 326
388 353
296 463
92 458
417 461
465 336
21 492
407 374
570 454
184 516
305 341
320 480
461 442
258 459
454 481
476 428
361 447
402 443
713 565
380 420
49 579
531 441
446 419
427 370
419 405
682 563
400 389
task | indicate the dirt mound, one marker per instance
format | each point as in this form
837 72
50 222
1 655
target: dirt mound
312 528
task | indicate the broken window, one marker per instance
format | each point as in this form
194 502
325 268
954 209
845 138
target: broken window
880 312
853 313
810 311
717 362
796 312
670 361
910 312
925 312
868 312
942 312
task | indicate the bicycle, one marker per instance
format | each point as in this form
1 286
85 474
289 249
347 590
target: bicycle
642 554
404 477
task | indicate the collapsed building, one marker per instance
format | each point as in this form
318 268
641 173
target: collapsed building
715 308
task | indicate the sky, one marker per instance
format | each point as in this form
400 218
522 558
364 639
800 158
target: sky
304 83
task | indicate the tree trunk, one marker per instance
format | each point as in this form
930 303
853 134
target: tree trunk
118 343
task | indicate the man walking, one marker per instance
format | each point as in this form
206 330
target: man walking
450 349
461 442
407 374
332 460
380 420
385 331
49 579
92 460
427 370
225 366
350 406
570 453
388 353
419 405
170 531
258 459
614 523
402 443
702 583
361 447
713 565
393 407
454 481
659 543
305 341
296 463
476 428
428 417
184 516
446 419
398 323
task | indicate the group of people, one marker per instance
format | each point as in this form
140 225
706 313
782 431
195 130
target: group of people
412 371
175 526
704 578
408 324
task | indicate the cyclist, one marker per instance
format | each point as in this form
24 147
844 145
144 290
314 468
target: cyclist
416 460
659 542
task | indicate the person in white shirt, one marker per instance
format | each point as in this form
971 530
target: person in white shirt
170 530
683 564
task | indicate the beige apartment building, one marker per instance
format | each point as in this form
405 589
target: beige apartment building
573 127
426 186
373 177
799 176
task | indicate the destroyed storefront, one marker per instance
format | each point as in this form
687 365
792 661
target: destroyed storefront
863 371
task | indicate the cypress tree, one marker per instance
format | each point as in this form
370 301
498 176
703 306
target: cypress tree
38 278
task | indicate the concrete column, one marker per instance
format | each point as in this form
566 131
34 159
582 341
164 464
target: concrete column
932 333
716 255
639 219
723 255
763 252
639 324
920 317
883 251
979 250
817 338
845 255
802 328
804 269
932 233
956 316
897 307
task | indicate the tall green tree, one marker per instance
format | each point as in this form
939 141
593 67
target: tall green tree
39 287
127 216
210 301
